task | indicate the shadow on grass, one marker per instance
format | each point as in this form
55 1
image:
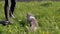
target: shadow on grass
0 32
23 24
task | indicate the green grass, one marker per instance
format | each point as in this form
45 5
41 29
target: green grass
46 13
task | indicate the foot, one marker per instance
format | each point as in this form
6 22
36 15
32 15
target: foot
5 23
11 15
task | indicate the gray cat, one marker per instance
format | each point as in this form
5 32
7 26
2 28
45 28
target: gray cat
32 21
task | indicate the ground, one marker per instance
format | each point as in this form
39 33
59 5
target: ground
46 13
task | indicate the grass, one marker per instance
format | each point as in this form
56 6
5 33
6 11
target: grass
47 14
